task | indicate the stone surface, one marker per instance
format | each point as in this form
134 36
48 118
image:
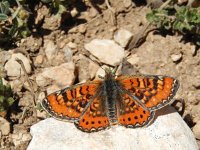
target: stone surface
72 45
93 12
74 12
196 130
168 131
134 59
16 85
62 75
50 49
34 43
107 51
82 28
127 3
122 37
18 138
67 53
196 111
101 72
39 59
176 57
196 82
86 68
14 69
4 126
4 56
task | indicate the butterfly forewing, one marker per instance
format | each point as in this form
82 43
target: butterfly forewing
153 91
69 103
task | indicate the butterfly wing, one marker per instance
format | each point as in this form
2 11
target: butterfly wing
142 95
131 115
69 103
95 117
153 91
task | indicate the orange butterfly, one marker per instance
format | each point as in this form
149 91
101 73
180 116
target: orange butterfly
129 101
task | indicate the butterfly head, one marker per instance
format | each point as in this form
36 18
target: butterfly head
109 73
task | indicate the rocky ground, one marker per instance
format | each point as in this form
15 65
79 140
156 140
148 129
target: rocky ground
62 57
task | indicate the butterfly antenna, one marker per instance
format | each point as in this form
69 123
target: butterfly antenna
115 69
94 61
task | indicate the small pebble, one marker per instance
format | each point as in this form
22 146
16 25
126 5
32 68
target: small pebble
107 51
4 126
39 59
123 37
82 28
127 3
176 57
72 45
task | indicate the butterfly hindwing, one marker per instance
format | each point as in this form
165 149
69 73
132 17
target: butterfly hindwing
95 117
69 103
131 115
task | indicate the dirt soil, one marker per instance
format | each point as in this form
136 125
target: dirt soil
153 56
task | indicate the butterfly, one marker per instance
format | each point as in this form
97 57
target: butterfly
129 101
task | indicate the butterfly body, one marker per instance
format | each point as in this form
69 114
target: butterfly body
130 101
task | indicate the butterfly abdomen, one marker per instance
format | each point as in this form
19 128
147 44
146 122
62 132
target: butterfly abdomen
111 93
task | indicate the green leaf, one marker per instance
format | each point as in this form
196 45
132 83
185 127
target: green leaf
4 7
1 82
2 109
25 32
13 29
46 1
10 101
3 17
1 99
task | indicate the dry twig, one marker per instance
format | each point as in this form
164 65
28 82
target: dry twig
27 79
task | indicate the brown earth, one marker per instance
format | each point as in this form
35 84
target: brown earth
154 56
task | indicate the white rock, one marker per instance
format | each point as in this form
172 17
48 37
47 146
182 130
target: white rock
62 75
168 132
50 49
133 59
14 69
68 53
4 126
107 51
122 37
176 57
